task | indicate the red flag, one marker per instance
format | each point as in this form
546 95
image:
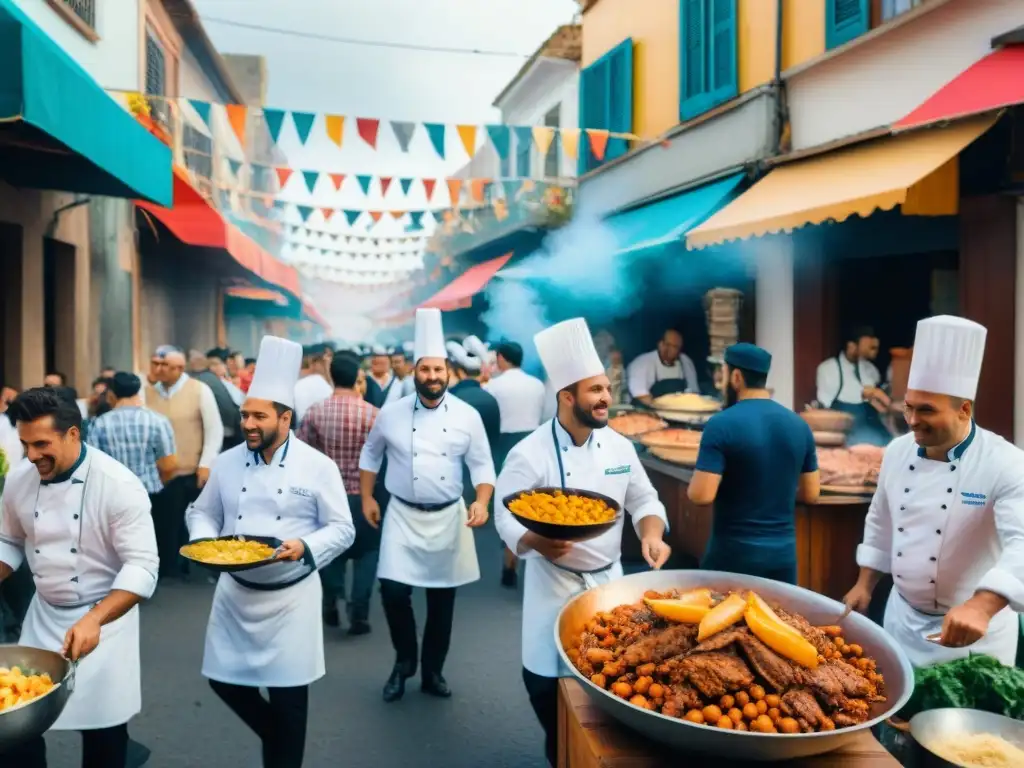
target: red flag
385 182
428 187
338 179
283 174
367 129
375 215
327 212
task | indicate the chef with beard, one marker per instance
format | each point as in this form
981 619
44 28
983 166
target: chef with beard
427 538
947 520
573 450
265 628
757 459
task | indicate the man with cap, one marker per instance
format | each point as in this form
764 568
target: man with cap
314 383
265 628
427 538
573 450
465 368
380 368
401 366
947 520
757 459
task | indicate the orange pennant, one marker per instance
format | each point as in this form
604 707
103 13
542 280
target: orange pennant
598 142
543 135
335 128
455 190
283 174
237 114
477 188
338 179
385 184
396 215
468 135
327 212
375 215
428 187
570 142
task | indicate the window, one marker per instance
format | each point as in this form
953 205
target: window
156 79
552 166
845 20
606 102
523 145
198 148
707 56
890 9
83 9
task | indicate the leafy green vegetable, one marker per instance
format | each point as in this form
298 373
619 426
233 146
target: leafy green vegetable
977 682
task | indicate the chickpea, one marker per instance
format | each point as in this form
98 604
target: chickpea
712 713
741 726
763 724
762 708
600 630
727 702
695 716
622 690
856 650
750 711
864 664
774 713
599 680
609 641
742 697
773 700
821 659
642 685
725 722
656 691
735 715
789 725
832 631
599 655
839 642
645 670
757 692
638 701
827 724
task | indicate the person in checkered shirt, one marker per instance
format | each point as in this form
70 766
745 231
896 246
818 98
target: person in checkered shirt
338 427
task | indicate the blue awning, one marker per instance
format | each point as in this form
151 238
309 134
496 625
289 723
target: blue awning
60 130
667 221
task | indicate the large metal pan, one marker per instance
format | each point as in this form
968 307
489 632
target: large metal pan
934 726
565 532
685 736
30 720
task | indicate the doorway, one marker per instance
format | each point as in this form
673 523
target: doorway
59 308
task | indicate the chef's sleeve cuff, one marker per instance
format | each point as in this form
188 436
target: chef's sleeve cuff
12 555
875 559
135 579
1003 583
483 476
656 509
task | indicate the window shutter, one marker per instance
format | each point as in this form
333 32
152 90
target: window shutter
722 59
620 97
845 20
593 107
692 58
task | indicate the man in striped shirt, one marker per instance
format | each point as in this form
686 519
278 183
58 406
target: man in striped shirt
338 427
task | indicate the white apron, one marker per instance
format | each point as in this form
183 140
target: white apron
108 682
427 549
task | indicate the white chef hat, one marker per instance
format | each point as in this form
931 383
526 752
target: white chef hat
379 349
277 371
474 346
568 354
408 348
429 339
947 356
463 357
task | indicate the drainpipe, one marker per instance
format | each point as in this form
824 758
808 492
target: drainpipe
781 109
51 228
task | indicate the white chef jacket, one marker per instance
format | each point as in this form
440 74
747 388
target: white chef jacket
520 399
396 389
213 427
646 369
607 463
310 390
854 378
426 448
947 529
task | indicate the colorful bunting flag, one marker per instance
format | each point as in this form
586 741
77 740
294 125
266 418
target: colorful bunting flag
524 136
338 179
368 129
385 184
283 174
570 141
304 211
311 177
303 124
275 120
428 187
500 138
375 215
327 213
364 183
468 135
543 135
598 142
406 185
335 125
235 166
202 108
436 132
454 190
237 114
403 133
477 188
352 217
396 215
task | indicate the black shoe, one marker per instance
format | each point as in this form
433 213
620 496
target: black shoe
331 618
359 628
394 688
509 578
435 685
138 754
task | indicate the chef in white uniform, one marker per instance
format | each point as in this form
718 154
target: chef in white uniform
427 538
947 520
574 450
662 371
82 520
265 628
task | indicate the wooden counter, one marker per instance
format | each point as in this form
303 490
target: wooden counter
827 533
587 738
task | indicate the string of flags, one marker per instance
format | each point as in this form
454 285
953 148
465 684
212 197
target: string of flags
358 240
410 256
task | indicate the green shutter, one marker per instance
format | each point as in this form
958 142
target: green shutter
620 96
845 20
722 79
707 55
692 58
593 107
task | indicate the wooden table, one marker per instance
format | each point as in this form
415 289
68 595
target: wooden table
587 738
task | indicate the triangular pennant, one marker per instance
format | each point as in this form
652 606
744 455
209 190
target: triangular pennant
311 177
396 215
335 125
303 124
237 114
598 142
454 190
352 217
385 184
235 166
304 211
274 119
406 185
338 179
436 133
403 133
375 215
334 236
283 174
327 213
500 138
468 135
364 183
524 137
477 188
202 108
296 229
280 204
428 187
570 142
368 130
543 135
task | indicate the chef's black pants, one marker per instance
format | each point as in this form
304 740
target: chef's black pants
437 633
280 722
543 693
101 748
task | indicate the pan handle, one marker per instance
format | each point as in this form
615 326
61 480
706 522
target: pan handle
69 681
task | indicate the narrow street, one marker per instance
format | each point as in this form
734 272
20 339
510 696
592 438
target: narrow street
488 721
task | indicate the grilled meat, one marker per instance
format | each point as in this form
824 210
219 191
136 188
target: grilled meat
800 703
661 644
714 674
815 636
680 699
778 672
722 640
835 681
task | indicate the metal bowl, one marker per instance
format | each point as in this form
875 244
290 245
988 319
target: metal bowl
268 540
760 747
565 532
936 725
25 722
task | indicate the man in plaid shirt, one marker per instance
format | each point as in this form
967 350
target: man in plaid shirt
140 439
338 427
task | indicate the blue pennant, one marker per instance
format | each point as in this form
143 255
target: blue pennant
275 119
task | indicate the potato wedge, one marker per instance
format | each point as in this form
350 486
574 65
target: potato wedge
678 611
722 616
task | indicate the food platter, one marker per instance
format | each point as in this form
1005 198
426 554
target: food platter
672 438
686 402
825 420
26 721
270 541
685 456
635 424
677 733
849 490
565 532
935 726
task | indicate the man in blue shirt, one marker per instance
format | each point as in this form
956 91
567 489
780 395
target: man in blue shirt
757 459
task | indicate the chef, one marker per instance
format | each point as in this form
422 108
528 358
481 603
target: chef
850 382
947 520
82 520
265 628
427 539
662 371
572 450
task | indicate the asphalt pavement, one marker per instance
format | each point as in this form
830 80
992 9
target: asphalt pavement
487 723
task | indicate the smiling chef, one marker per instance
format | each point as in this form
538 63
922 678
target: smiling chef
265 628
573 450
947 520
83 522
